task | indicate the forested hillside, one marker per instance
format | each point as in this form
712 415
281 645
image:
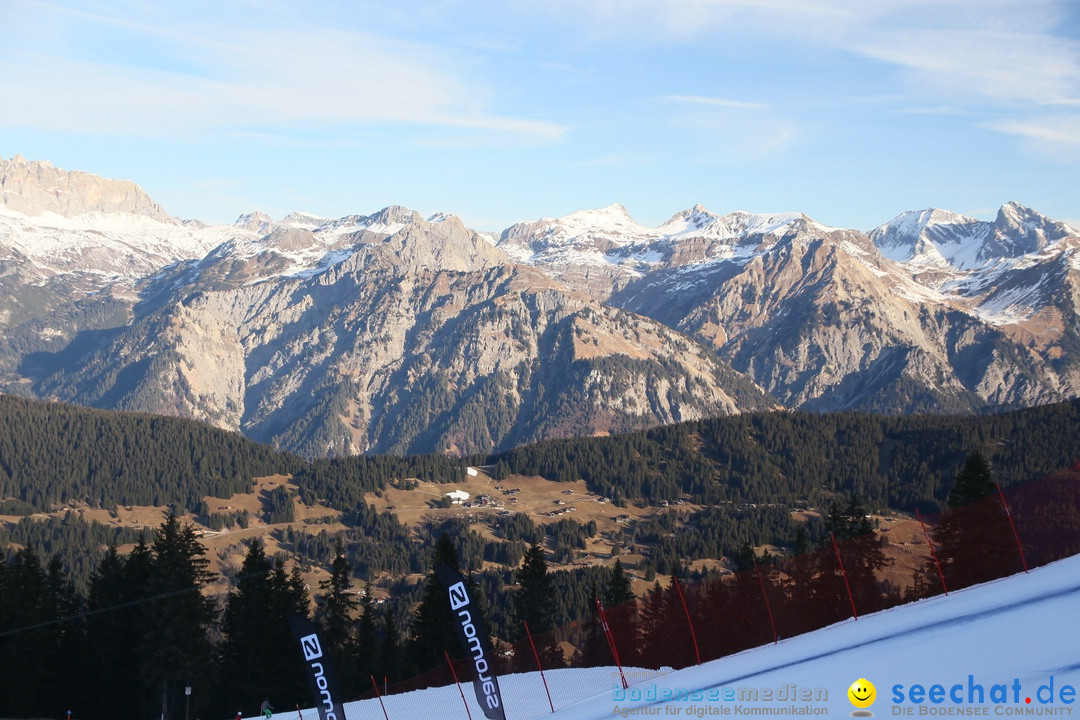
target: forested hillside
52 454
791 457
739 478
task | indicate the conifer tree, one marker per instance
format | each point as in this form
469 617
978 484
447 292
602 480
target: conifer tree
335 617
618 590
28 647
68 633
110 631
534 603
390 660
433 631
176 620
974 481
367 640
592 648
258 652
973 538
655 630
534 598
860 551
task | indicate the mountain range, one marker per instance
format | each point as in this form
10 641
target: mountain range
392 332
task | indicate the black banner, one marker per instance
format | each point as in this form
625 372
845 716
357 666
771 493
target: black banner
471 633
323 687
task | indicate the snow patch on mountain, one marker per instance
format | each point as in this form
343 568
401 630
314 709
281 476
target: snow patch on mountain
117 244
698 222
611 238
303 221
1012 305
933 238
925 238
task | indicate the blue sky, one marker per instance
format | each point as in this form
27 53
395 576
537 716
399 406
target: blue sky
851 111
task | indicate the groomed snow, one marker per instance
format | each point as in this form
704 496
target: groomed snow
1012 638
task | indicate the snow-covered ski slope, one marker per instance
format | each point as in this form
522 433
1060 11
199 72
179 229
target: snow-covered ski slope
982 651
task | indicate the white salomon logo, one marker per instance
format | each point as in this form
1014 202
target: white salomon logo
459 598
312 648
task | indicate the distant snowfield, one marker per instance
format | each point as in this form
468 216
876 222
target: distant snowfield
982 651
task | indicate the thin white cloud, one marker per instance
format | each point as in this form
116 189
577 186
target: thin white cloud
1050 136
678 20
978 57
997 66
251 77
715 102
618 159
721 136
727 130
931 110
997 50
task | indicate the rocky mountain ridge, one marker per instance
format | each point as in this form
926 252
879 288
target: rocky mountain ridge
392 332
930 311
387 332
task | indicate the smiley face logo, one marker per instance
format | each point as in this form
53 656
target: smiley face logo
862 693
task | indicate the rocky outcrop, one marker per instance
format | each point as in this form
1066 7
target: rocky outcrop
36 187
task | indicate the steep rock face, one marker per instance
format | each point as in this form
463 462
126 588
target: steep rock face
36 187
824 321
423 340
942 239
811 324
94 229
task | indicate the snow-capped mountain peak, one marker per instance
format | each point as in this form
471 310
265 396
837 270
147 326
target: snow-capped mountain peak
612 222
687 222
257 222
933 238
387 221
303 220
953 241
1019 230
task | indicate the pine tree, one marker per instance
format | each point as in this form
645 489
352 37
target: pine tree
433 630
974 481
258 651
655 630
68 634
592 649
175 650
365 650
973 537
335 617
30 645
390 648
112 627
534 603
618 590
534 598
860 551
620 605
